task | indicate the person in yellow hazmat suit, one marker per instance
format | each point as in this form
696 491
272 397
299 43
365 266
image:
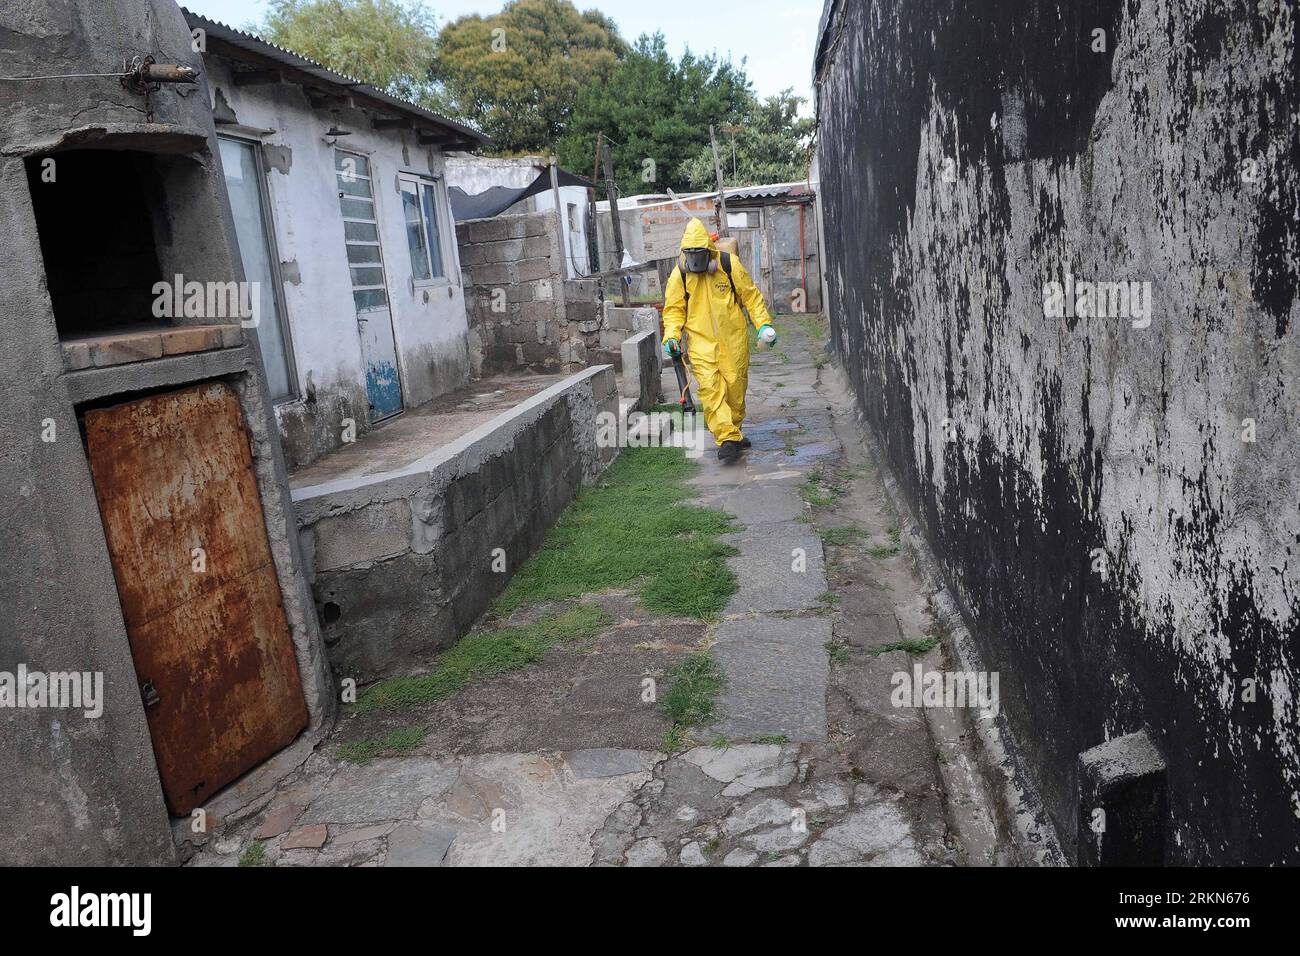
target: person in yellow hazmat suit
704 294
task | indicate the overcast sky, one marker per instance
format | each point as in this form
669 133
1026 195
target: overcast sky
776 36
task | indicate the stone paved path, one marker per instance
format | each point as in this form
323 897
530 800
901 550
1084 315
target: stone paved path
809 763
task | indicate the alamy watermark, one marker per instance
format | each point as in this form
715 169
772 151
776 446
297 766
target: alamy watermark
922 688
35 690
660 429
1083 299
208 300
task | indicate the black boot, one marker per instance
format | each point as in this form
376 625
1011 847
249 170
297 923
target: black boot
745 443
729 451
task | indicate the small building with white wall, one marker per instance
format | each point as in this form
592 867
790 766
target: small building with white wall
339 197
494 181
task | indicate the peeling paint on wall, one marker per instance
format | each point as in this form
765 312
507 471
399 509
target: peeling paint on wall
1117 506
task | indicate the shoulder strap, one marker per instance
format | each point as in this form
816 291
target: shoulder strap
726 267
682 275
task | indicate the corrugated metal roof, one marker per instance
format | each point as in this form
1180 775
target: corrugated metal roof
317 71
761 192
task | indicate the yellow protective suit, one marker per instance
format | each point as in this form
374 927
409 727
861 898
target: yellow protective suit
717 342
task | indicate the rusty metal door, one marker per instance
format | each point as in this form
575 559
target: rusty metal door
174 477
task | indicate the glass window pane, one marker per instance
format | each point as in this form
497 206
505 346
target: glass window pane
363 253
370 299
358 165
357 209
360 232
367 276
243 186
357 187
414 231
431 227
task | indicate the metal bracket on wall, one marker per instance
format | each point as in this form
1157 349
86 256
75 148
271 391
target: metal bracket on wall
144 76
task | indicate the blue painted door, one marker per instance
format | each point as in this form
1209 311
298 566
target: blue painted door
369 290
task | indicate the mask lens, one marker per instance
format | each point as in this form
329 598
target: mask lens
697 260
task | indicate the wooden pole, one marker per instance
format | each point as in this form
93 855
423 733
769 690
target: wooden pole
722 198
611 191
559 216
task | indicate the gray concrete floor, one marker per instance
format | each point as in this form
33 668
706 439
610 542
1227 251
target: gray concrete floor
810 763
403 440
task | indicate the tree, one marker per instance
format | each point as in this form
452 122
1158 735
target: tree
386 43
771 147
654 112
517 73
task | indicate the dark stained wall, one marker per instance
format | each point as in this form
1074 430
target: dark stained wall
972 154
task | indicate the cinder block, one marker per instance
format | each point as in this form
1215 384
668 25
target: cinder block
1123 803
539 353
529 269
367 534
537 246
521 292
538 311
538 223
491 274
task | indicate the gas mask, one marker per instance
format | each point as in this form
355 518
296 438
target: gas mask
698 260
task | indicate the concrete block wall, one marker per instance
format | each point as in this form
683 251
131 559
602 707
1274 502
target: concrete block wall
523 313
513 274
403 562
642 365
604 337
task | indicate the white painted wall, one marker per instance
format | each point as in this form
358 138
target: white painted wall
429 320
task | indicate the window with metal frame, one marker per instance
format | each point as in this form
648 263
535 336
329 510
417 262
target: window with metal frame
421 209
250 205
360 230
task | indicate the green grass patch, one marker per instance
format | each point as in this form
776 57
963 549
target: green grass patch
633 529
817 495
779 739
842 536
913 645
254 854
890 550
838 651
481 655
400 741
692 697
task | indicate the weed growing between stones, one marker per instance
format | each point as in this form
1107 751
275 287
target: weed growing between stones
633 529
254 854
481 655
692 697
841 537
400 741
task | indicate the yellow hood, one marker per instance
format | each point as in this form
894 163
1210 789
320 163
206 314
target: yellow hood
697 237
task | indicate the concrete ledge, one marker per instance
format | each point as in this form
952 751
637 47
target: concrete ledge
642 366
1123 803
405 561
1014 795
91 383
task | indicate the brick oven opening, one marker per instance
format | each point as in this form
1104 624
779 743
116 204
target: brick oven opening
96 226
